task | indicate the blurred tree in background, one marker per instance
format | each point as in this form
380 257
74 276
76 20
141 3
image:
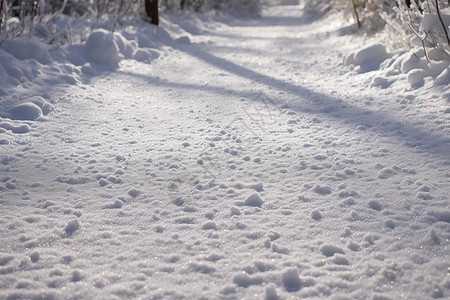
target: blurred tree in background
151 8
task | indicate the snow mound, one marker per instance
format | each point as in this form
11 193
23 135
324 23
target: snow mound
291 279
105 47
271 293
30 49
254 200
370 53
72 226
443 78
26 111
34 65
12 70
330 250
43 104
20 128
368 58
145 55
126 47
31 110
416 65
102 48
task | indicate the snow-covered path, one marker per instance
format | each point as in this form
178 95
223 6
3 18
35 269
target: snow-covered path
245 162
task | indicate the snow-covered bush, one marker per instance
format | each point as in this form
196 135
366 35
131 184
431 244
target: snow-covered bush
423 23
366 14
39 19
426 21
28 17
421 26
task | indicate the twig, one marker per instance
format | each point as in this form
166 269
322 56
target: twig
422 40
356 13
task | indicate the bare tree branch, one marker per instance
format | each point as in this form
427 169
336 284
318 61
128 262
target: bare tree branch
442 21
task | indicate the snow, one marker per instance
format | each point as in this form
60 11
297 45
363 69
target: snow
30 49
101 47
291 280
368 58
432 23
222 158
26 111
254 200
72 226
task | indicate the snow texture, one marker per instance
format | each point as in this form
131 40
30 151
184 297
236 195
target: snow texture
223 158
254 200
291 280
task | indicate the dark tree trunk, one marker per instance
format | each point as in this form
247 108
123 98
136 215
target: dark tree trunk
1 15
151 7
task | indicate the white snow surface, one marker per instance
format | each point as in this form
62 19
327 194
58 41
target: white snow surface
267 158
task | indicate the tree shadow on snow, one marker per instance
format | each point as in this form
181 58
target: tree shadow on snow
330 107
219 90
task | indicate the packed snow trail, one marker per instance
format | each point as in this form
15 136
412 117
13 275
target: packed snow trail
245 162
